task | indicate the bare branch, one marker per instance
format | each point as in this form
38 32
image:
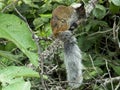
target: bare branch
108 80
109 75
8 6
57 44
97 72
117 87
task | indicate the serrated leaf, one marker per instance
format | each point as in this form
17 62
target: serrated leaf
11 72
15 30
20 85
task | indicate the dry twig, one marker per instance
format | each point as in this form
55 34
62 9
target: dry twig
109 75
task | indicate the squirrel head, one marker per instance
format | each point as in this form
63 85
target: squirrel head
62 18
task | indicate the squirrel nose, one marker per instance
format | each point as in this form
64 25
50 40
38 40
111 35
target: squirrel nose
73 26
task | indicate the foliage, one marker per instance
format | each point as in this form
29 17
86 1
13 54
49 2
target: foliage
17 31
98 39
11 78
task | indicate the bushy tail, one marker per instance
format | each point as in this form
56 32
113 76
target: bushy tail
72 59
73 64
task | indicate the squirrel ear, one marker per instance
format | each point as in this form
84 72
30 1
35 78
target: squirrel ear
80 9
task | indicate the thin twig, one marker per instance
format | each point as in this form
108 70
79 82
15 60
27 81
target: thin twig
52 69
109 75
100 32
108 80
117 87
97 72
11 4
51 49
115 33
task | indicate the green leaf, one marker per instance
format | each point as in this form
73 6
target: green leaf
20 84
99 11
46 15
8 55
82 42
16 30
15 71
8 74
94 24
92 73
98 61
114 9
27 2
1 5
10 46
116 69
38 22
116 2
30 3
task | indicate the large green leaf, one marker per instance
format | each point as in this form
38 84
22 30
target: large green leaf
18 84
9 73
15 71
16 30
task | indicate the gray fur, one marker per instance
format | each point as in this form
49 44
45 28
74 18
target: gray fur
73 59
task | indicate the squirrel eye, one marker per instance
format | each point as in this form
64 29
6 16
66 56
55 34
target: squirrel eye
63 21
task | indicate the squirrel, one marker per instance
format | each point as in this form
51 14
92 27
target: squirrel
64 20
